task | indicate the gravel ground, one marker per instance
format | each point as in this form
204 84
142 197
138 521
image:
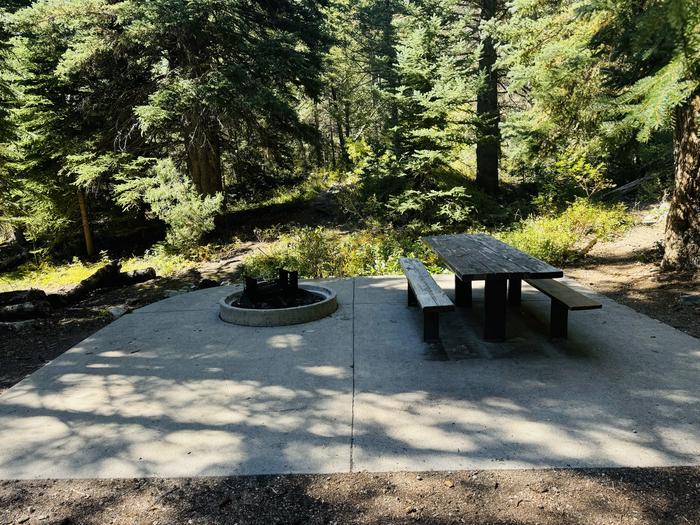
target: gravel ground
553 497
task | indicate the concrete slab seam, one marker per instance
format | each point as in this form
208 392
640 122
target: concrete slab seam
352 408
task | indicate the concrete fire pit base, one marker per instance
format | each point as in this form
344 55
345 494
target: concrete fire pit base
280 316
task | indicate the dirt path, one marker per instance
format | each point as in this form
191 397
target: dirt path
627 270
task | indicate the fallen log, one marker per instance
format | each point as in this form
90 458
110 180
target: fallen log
22 311
22 296
109 276
138 276
624 189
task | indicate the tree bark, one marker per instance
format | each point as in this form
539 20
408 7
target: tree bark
344 160
318 144
682 248
87 231
488 146
204 160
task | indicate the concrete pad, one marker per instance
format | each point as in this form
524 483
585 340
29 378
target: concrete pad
180 393
170 390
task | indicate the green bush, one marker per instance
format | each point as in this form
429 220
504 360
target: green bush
569 235
436 209
173 199
319 252
571 177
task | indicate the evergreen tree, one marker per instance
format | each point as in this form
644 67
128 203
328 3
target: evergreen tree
488 146
656 47
225 72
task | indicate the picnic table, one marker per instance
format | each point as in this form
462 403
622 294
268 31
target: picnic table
480 257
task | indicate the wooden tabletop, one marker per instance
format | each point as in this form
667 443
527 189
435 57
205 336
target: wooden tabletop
480 256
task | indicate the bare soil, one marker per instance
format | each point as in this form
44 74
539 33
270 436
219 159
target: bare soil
626 270
552 497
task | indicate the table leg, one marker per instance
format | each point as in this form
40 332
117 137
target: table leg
463 292
495 292
514 291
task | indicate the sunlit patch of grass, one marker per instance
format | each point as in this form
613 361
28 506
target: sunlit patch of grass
165 264
47 275
307 190
321 252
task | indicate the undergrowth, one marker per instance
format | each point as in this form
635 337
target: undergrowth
570 235
319 252
47 275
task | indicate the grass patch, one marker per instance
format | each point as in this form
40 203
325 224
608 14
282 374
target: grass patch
49 276
305 191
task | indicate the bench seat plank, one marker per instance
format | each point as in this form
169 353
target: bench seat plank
428 294
565 295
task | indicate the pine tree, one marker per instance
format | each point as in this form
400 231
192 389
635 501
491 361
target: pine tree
656 46
488 147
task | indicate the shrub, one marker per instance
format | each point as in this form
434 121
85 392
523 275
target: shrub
436 209
569 235
173 199
571 177
319 252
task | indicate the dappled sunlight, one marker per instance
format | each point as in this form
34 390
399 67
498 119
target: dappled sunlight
320 398
285 342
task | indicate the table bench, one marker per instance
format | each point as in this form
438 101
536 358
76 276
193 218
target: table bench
563 299
425 292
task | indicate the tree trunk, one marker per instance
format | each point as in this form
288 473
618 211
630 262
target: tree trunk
318 144
344 160
488 146
204 160
87 231
683 223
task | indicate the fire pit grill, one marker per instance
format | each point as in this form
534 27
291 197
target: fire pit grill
278 302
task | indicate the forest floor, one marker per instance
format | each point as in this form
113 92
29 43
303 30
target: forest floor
625 269
668 496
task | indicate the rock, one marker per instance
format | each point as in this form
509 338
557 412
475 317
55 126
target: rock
19 326
411 510
419 478
208 283
449 483
117 311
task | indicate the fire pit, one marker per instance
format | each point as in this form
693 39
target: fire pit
277 303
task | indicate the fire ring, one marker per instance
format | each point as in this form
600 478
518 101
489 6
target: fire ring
278 303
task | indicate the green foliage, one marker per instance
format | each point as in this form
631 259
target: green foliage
51 276
568 236
569 178
171 197
436 209
154 109
318 252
